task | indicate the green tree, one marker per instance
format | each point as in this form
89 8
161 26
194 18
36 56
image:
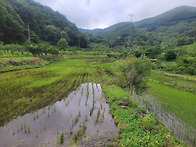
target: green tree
52 34
170 55
152 52
136 71
62 44
185 41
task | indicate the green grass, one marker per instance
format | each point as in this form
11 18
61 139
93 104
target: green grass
177 101
172 80
12 63
136 126
181 103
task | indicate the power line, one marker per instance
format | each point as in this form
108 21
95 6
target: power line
131 37
79 41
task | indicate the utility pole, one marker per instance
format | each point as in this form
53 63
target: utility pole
131 39
29 35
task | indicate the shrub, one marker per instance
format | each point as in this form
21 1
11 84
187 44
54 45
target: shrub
136 71
62 44
170 55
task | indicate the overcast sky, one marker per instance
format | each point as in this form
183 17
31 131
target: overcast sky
92 14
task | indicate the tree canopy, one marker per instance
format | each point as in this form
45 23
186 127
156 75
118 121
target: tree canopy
44 23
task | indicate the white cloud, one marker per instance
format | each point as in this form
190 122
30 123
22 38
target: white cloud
102 13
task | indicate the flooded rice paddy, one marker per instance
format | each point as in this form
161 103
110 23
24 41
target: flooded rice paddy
59 125
179 128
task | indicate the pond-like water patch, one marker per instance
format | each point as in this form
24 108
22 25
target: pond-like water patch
85 109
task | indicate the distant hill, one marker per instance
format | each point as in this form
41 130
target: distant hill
44 23
169 18
94 31
176 23
119 34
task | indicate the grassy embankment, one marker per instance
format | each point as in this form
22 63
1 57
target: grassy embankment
137 127
10 61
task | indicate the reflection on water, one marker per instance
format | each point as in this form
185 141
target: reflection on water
43 127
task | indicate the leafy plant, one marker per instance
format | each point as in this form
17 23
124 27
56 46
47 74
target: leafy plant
60 139
136 71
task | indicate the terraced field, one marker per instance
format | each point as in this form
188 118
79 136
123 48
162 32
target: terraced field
47 95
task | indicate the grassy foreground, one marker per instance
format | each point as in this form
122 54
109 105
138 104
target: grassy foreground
137 126
180 102
31 89
177 96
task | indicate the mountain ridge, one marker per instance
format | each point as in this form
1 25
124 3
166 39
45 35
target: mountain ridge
146 20
44 23
174 24
170 17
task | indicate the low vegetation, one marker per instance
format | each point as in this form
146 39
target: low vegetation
177 96
60 139
137 126
136 71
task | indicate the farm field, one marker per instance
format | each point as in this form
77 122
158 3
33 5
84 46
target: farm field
172 98
25 94
100 77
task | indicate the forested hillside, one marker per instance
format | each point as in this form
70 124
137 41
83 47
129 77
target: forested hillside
176 26
119 35
168 38
44 24
183 17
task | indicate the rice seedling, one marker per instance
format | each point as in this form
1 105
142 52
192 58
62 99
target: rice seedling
25 128
76 119
60 139
79 133
93 91
82 91
97 117
79 114
29 130
87 91
71 131
13 131
102 116
92 108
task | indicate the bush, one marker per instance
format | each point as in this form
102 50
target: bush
186 65
62 44
170 55
42 48
136 71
